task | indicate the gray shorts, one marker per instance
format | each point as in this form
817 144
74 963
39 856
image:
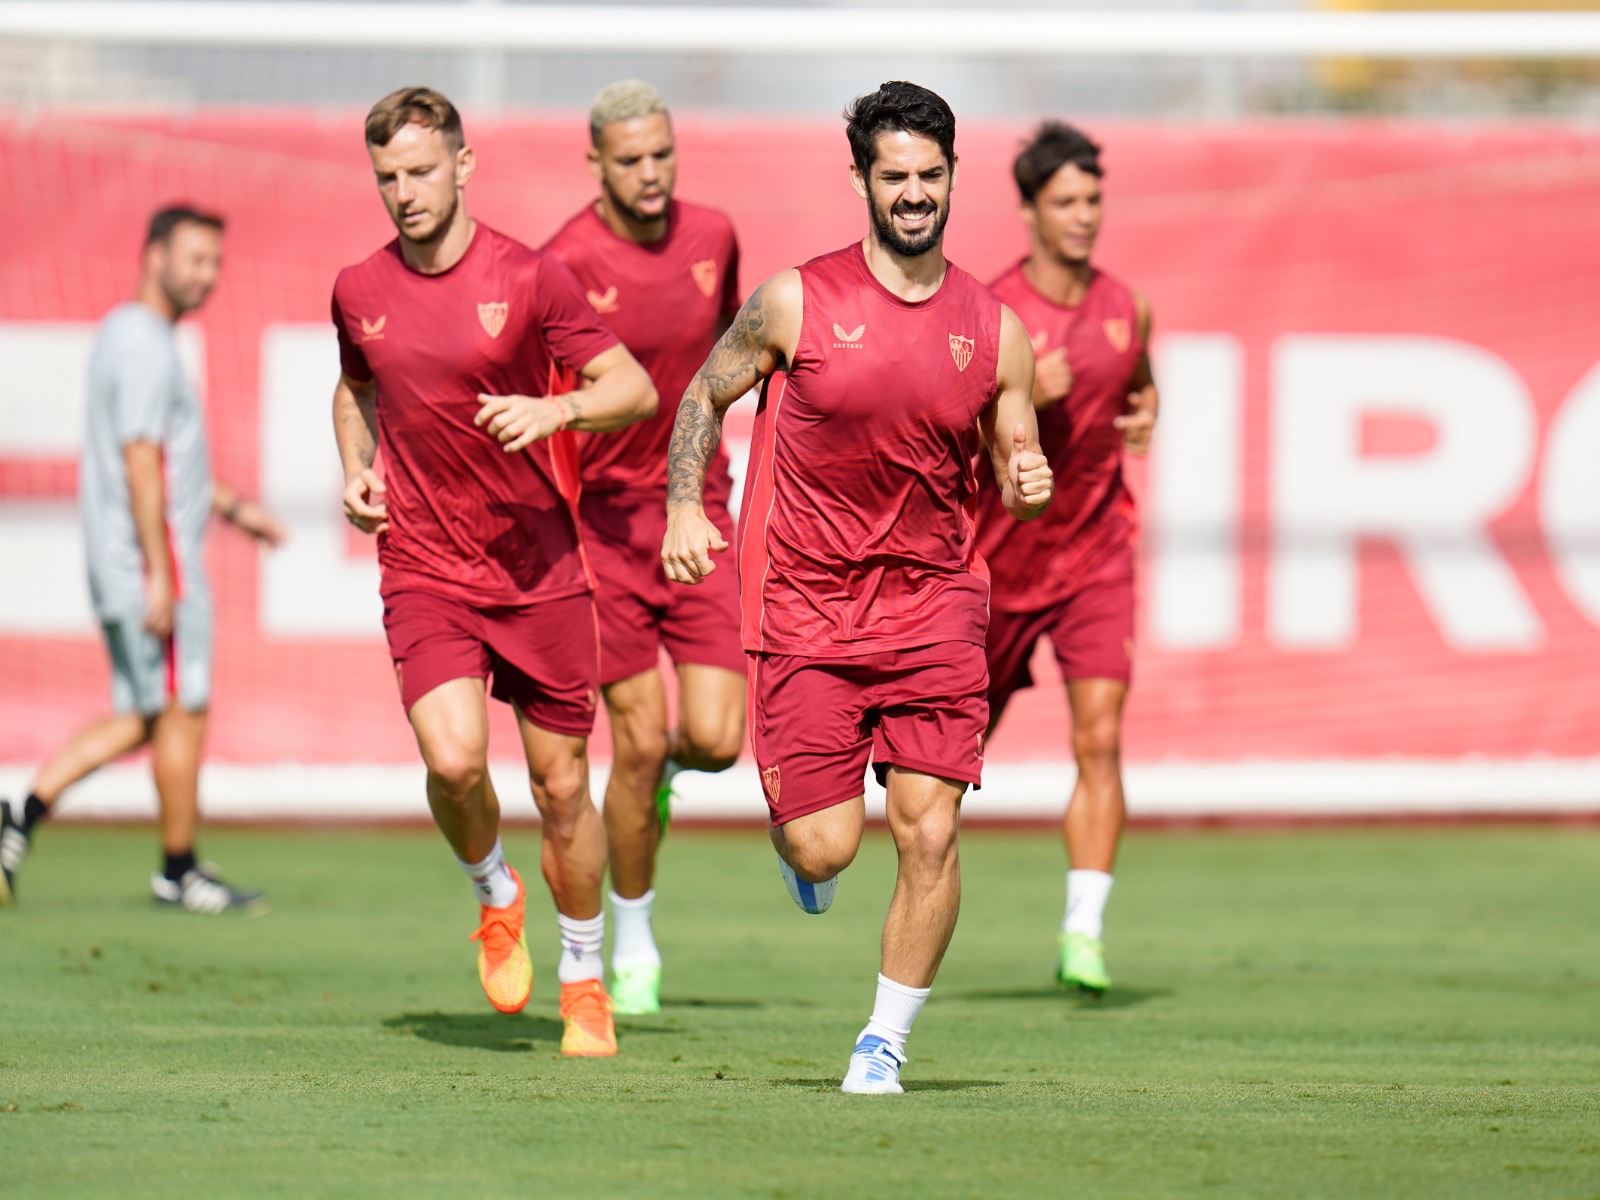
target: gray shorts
148 673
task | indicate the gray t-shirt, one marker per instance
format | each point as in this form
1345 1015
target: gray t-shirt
138 392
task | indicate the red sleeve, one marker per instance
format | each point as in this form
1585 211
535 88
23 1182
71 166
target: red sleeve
575 336
730 278
351 361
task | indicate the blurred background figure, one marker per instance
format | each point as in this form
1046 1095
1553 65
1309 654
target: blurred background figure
146 495
1068 576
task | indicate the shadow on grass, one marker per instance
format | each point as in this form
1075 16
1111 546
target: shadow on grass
1117 997
710 1002
504 1032
910 1085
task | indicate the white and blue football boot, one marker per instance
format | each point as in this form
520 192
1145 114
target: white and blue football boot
813 898
874 1068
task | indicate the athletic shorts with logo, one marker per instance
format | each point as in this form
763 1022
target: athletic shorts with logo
816 722
1091 631
543 658
640 609
148 672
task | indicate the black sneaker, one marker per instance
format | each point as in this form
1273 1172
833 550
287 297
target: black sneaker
13 849
200 891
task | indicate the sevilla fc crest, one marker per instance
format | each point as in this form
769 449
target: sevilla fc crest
705 277
961 350
1118 334
493 317
770 780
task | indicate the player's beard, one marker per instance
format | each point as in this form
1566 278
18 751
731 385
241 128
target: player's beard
898 243
446 219
629 211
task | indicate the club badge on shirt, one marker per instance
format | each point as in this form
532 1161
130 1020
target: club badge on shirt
961 350
705 277
493 317
1118 334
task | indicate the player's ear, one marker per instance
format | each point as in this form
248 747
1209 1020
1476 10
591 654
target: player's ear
858 181
466 164
595 167
955 166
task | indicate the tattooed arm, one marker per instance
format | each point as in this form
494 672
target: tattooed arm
355 428
761 340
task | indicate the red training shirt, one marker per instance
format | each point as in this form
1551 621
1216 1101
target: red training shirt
857 531
667 300
466 519
1086 535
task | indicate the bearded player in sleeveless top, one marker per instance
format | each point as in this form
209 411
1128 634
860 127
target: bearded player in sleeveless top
455 344
1069 575
887 371
664 274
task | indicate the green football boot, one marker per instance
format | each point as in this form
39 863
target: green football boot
664 797
636 991
1083 963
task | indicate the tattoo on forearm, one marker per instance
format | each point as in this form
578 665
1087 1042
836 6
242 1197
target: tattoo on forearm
731 370
358 428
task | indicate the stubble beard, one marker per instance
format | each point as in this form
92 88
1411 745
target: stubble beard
630 212
894 241
438 230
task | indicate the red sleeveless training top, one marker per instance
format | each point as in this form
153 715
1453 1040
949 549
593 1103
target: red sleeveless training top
857 533
1087 534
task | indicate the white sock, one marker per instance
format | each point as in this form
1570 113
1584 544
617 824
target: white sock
580 948
1087 892
633 944
892 1013
490 878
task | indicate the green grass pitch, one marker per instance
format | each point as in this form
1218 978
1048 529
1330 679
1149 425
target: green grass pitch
1341 1014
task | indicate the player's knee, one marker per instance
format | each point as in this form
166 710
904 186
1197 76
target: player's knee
641 751
561 793
713 754
932 839
456 768
1098 743
818 858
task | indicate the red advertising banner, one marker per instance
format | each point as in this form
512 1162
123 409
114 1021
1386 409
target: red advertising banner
1370 528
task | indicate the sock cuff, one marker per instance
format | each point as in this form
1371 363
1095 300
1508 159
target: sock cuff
644 901
1087 875
490 861
901 989
579 926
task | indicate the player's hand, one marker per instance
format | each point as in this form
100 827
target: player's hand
517 422
1137 425
1052 378
159 601
1028 475
256 521
364 504
687 548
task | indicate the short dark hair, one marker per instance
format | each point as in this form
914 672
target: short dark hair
1055 144
164 221
414 105
898 107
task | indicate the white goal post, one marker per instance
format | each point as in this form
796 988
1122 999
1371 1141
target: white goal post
777 31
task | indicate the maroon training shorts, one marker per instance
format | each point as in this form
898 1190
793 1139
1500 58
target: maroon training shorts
544 657
1091 631
640 609
815 722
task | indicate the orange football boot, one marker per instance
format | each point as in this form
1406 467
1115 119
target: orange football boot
504 968
586 1012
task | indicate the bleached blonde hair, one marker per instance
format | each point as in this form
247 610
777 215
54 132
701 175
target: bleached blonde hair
623 101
